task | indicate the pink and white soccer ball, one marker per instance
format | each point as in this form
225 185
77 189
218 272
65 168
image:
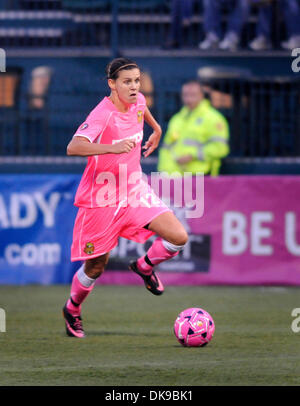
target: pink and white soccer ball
194 327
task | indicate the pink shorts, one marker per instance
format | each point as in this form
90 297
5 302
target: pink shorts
96 231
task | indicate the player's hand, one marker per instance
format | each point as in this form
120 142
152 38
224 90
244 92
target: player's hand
122 147
152 143
184 159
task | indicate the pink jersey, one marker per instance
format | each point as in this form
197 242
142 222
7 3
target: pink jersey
109 179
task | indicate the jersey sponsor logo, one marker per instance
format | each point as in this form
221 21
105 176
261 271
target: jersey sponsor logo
140 116
84 126
89 248
136 137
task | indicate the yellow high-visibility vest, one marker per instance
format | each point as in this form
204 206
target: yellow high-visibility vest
202 133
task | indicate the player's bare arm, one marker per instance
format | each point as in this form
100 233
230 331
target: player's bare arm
81 146
153 141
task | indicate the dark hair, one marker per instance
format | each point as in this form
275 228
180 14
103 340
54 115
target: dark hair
198 83
118 64
193 82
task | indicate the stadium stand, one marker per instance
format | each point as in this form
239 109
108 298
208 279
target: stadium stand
9 110
88 23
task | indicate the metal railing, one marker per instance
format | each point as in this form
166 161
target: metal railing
107 24
263 113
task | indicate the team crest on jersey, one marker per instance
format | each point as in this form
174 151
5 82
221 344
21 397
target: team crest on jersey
140 116
89 248
84 126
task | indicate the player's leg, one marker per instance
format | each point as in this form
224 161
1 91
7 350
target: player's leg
172 238
168 227
82 284
84 280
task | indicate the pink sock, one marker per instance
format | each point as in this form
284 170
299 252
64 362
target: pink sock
78 294
156 254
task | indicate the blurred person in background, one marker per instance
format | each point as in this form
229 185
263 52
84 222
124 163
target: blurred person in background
197 137
181 14
39 86
147 88
37 117
290 10
237 17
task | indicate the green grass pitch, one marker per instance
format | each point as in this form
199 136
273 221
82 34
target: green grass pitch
130 339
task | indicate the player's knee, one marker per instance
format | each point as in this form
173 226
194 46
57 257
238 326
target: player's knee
95 267
96 272
180 238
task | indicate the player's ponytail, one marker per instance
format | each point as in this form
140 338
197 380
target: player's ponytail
118 64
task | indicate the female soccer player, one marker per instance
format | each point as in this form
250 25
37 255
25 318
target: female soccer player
113 199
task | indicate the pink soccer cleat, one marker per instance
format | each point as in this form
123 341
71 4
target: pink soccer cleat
152 282
73 324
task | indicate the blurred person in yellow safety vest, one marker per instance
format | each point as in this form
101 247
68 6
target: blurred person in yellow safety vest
197 137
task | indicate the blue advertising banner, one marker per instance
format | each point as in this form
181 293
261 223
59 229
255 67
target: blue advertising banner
244 237
36 223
